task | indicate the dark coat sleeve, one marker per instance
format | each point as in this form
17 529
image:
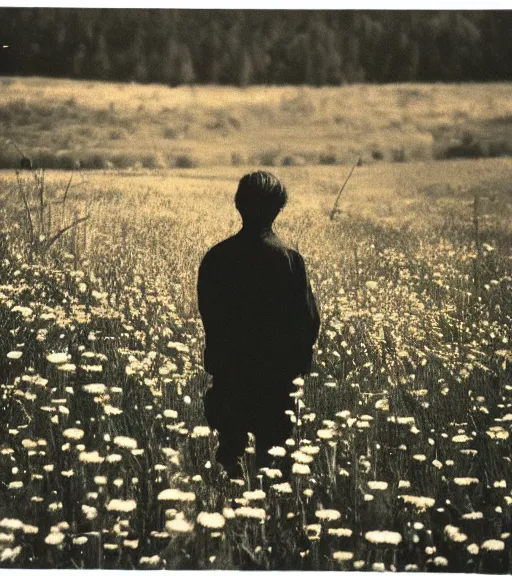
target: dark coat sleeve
208 295
307 317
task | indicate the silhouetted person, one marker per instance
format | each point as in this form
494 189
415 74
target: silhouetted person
261 322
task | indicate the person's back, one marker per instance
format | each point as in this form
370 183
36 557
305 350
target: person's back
260 321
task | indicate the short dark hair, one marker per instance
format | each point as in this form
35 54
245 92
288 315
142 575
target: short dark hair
260 197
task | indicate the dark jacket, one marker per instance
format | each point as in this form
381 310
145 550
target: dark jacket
258 310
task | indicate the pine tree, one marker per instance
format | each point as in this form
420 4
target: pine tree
186 73
79 60
170 62
245 69
101 60
138 58
245 47
211 52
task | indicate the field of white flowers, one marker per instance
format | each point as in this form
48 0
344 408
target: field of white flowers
401 448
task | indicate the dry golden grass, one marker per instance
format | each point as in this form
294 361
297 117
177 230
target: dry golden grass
157 126
402 432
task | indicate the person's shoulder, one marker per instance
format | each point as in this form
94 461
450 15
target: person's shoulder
293 256
219 250
277 243
297 262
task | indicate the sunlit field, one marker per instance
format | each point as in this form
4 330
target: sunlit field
400 454
118 126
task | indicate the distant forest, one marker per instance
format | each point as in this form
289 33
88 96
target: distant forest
244 47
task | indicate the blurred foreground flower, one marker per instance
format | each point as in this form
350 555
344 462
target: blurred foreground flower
419 502
89 512
283 488
211 520
255 495
466 481
376 485
174 494
94 388
57 358
10 554
247 512
180 525
342 556
454 533
345 532
383 537
125 442
73 433
149 560
117 505
497 433
328 515
301 469
201 432
54 539
278 451
493 545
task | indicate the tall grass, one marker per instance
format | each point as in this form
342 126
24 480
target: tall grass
400 449
57 121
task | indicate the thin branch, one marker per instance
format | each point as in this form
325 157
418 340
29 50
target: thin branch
63 201
27 209
56 236
41 203
16 147
333 211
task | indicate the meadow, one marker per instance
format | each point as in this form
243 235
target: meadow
120 126
401 447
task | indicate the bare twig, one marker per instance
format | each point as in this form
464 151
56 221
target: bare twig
16 148
26 162
75 243
27 208
333 211
58 234
63 201
476 228
49 224
476 223
41 202
84 238
356 263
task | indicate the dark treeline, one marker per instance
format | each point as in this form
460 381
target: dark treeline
246 47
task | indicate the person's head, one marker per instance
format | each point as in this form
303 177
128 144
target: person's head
259 198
